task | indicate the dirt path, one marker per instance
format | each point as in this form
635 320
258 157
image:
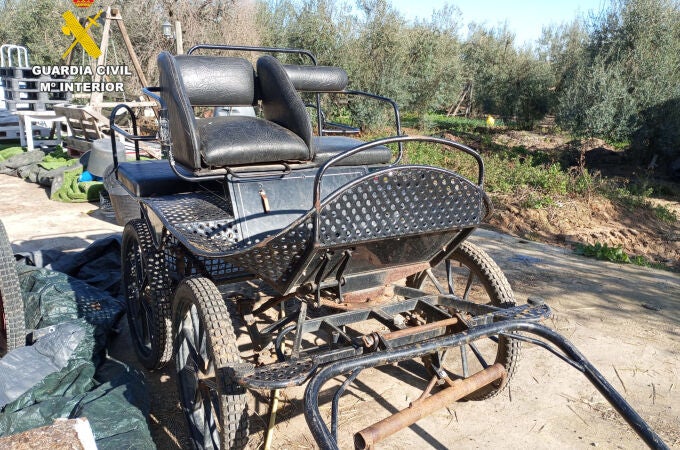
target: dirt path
34 222
624 318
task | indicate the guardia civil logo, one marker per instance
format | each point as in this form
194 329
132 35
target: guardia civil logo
73 27
85 78
83 3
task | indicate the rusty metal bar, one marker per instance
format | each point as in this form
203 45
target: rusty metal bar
413 330
408 335
368 437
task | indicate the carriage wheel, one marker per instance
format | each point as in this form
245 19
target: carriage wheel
12 319
471 274
146 284
215 406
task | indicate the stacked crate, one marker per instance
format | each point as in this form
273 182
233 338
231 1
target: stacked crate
23 93
9 126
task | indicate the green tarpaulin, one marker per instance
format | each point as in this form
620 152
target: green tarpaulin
82 382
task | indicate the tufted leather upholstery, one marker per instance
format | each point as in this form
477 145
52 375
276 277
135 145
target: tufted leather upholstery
188 81
317 78
326 147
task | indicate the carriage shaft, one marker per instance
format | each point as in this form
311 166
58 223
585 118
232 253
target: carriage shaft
369 436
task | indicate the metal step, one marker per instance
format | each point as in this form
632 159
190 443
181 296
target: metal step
280 375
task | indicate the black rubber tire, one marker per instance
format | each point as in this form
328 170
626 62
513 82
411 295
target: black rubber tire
497 293
146 285
13 320
205 339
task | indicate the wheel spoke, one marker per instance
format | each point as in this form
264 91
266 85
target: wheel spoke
436 282
190 388
195 407
210 383
196 357
139 321
145 283
449 276
146 322
216 413
139 275
210 433
471 274
137 265
468 286
464 361
183 352
203 349
198 341
133 303
479 355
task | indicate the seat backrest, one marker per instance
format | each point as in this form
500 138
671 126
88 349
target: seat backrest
188 81
281 103
317 78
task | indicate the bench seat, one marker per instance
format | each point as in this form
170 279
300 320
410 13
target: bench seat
152 178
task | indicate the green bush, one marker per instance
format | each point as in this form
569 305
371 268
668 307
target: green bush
583 182
622 81
665 214
658 133
603 252
458 124
424 65
37 26
509 82
615 254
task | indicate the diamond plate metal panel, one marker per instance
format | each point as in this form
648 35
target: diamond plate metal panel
401 202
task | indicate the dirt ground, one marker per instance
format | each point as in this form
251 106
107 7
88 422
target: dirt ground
590 219
624 318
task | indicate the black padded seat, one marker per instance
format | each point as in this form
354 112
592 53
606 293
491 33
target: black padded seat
326 147
235 140
151 178
203 145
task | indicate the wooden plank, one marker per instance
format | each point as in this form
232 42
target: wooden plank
98 97
131 52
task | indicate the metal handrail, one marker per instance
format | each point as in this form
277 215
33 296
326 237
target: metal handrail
392 140
249 48
132 136
395 107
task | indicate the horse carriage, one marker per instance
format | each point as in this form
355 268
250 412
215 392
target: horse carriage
358 259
